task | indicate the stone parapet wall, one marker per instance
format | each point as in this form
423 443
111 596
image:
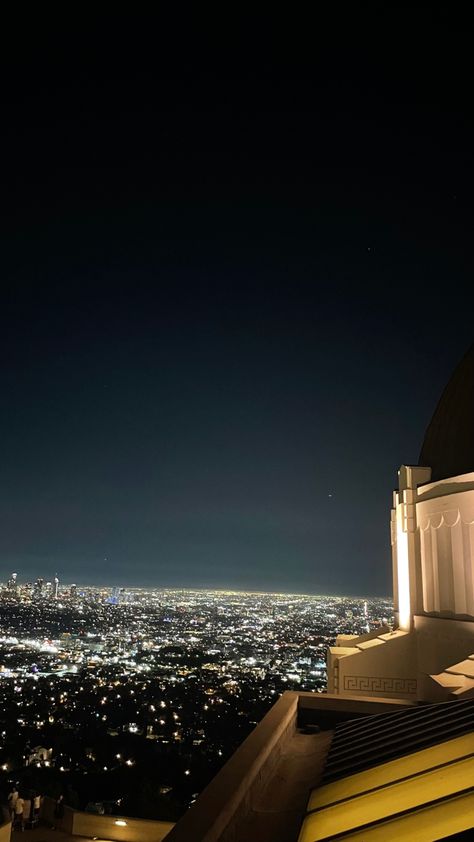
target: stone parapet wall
221 810
78 823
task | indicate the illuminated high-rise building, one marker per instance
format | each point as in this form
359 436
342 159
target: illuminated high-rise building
38 588
55 592
12 583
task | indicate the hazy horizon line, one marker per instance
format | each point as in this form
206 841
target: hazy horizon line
222 590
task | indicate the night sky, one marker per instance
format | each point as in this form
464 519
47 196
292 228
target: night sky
236 274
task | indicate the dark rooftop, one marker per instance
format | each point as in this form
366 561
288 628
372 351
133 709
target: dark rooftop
372 740
448 446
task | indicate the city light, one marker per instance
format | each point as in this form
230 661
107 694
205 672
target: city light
161 668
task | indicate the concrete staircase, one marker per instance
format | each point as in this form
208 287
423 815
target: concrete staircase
457 681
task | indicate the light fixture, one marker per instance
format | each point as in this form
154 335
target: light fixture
120 823
403 575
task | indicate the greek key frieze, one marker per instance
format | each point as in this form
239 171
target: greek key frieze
378 684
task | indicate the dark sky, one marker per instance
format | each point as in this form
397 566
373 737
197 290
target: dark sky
237 272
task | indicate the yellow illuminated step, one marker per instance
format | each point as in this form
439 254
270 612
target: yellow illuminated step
392 771
426 825
383 803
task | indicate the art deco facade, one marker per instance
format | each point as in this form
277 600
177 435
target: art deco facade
431 654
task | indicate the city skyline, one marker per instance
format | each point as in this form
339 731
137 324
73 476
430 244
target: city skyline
147 588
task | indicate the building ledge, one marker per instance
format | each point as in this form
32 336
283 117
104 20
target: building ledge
261 792
78 824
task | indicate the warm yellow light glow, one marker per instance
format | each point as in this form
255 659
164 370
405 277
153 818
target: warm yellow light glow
381 804
437 822
403 575
120 823
394 770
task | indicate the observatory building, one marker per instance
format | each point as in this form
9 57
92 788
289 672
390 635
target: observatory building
430 655
388 752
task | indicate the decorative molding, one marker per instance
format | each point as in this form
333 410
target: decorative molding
447 548
377 684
